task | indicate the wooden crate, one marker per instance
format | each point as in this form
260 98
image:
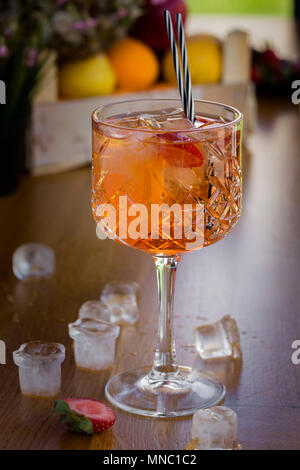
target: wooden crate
61 131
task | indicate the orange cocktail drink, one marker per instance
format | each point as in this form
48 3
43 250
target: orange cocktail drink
155 170
167 186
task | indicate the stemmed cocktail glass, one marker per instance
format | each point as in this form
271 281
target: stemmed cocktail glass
167 187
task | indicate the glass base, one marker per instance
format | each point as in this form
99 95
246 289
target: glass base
170 395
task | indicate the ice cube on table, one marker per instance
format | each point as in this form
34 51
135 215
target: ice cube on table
220 339
121 300
226 369
94 343
33 260
39 365
94 309
215 429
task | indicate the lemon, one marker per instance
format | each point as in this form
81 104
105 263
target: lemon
205 60
135 64
90 77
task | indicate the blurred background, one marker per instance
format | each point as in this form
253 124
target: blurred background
60 59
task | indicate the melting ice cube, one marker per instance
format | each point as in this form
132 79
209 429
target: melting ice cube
40 367
94 309
214 429
220 339
228 371
121 300
33 260
94 343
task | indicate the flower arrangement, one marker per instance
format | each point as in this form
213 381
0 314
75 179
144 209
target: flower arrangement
85 27
75 29
23 35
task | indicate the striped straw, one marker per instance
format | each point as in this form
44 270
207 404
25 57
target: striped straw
175 56
185 65
184 85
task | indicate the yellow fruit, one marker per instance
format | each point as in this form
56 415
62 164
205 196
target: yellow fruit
205 60
135 64
90 77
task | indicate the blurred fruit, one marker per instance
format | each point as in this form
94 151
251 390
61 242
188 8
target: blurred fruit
205 60
89 77
161 86
151 28
256 74
135 64
271 74
270 58
296 68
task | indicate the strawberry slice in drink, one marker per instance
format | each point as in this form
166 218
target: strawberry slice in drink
84 415
180 151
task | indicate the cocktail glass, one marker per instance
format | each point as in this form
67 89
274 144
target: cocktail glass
166 187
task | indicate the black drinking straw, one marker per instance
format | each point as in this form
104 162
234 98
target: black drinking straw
184 84
186 71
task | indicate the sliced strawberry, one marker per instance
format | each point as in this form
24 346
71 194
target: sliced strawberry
84 415
202 119
184 153
195 156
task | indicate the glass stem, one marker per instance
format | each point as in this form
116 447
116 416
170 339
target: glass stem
165 364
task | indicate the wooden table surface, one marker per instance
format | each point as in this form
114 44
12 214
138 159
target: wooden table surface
253 275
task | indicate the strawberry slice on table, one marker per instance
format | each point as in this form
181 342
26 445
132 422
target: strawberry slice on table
84 415
184 153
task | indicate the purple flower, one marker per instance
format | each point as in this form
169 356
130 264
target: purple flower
121 14
61 2
7 32
31 57
84 25
3 51
79 26
91 23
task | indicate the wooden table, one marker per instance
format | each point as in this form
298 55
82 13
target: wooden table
252 275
